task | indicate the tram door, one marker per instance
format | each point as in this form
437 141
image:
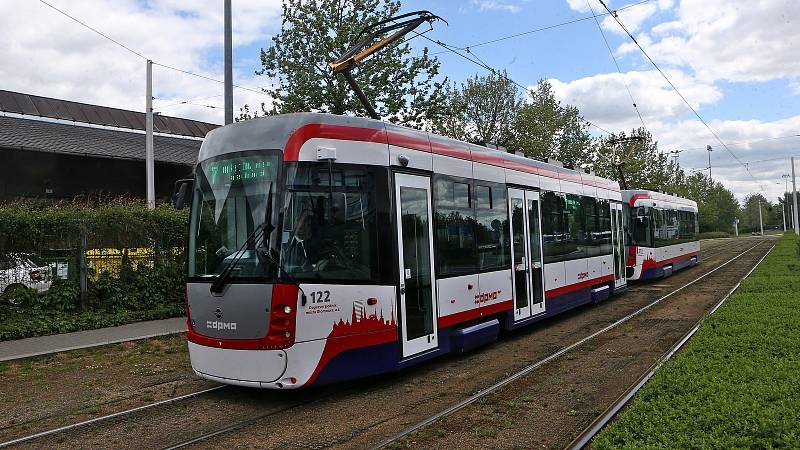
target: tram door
618 242
526 253
417 293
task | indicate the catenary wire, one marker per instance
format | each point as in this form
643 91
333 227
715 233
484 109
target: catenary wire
548 27
711 130
187 72
476 61
616 64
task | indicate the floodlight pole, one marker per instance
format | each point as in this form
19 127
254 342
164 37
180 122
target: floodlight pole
148 140
708 147
794 202
228 65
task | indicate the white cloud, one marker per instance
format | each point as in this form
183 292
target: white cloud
496 5
767 147
733 41
45 53
632 18
603 98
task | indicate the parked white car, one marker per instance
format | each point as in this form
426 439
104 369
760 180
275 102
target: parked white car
24 270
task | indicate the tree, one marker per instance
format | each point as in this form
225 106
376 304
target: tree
545 128
643 166
750 209
401 86
482 110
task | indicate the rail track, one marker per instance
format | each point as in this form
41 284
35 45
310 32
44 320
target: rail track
529 368
218 431
107 417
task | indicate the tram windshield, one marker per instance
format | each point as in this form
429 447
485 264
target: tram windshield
330 227
229 205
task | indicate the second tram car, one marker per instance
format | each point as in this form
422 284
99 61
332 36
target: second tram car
325 247
662 234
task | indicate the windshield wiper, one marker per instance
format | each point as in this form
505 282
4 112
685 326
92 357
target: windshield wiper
222 279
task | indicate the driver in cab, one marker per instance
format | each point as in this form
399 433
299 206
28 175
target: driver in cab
302 250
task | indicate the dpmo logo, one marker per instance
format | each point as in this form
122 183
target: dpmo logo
485 297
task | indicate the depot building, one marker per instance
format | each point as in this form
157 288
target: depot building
51 148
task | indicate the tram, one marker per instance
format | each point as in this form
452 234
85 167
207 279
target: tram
323 248
662 234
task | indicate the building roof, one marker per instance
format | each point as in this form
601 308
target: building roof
34 105
39 135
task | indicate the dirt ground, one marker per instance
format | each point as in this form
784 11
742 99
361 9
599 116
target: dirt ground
548 407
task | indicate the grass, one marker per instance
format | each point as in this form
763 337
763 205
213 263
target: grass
737 383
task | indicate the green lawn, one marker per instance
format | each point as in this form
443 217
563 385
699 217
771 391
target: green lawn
737 383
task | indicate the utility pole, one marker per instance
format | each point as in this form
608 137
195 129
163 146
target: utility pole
708 147
794 202
785 202
148 139
228 65
760 220
783 210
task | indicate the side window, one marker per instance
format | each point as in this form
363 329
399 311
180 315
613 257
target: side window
574 218
491 227
455 227
592 227
604 232
553 235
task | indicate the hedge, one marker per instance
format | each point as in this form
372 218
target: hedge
121 288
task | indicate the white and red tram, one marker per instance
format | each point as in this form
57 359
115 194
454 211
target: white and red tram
327 247
662 234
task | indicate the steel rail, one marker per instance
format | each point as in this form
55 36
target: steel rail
107 417
524 371
236 426
601 421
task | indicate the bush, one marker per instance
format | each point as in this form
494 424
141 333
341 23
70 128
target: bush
136 257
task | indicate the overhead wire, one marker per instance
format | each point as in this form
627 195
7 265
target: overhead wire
547 27
477 61
616 64
711 130
140 55
750 141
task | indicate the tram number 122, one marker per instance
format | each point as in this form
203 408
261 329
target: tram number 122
320 296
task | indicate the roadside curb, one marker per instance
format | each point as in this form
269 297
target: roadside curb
45 345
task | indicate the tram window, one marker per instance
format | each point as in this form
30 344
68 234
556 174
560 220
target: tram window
604 215
456 252
575 221
553 235
330 228
491 213
640 224
592 227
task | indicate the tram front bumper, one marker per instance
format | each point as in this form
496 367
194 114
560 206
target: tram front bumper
251 368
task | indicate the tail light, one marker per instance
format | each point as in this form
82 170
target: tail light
631 256
188 317
35 275
283 315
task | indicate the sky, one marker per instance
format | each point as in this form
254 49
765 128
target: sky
734 62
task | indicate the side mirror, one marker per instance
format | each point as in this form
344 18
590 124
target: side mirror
182 192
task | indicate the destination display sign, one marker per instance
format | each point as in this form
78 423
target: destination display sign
248 169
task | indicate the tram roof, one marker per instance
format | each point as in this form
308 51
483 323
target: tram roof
631 196
288 132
